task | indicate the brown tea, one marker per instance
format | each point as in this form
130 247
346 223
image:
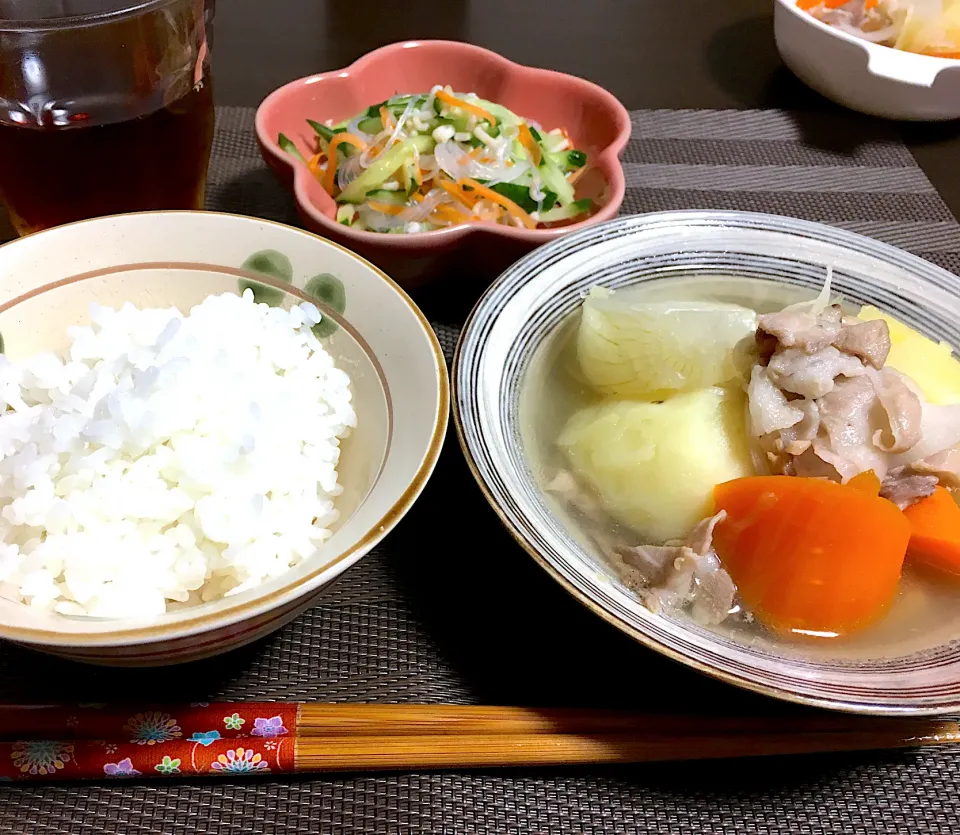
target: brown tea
56 174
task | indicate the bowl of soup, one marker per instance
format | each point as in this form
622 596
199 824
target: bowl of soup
735 437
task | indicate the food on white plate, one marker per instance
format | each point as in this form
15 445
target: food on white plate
929 27
425 161
167 460
783 471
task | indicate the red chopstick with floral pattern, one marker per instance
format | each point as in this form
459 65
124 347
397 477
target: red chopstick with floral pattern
91 741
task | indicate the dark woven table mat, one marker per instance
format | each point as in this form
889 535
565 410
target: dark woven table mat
449 609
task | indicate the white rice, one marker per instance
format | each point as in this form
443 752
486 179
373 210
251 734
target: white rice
168 460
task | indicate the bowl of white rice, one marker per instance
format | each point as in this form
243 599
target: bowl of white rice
204 420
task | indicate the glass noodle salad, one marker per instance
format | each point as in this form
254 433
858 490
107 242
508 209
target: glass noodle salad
929 27
420 162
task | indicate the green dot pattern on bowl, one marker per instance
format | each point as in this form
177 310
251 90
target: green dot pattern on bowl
268 262
324 287
329 290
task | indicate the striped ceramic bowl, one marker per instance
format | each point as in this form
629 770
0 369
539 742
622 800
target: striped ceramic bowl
163 259
520 321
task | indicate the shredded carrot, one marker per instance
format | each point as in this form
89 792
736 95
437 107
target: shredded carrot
512 208
807 5
576 175
329 179
810 554
451 213
386 208
457 192
386 119
951 55
935 532
476 110
530 145
313 164
870 4
485 210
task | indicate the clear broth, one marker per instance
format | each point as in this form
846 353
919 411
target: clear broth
926 610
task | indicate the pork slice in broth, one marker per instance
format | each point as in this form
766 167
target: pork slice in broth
904 488
945 466
812 375
770 411
850 418
903 410
868 341
686 574
802 330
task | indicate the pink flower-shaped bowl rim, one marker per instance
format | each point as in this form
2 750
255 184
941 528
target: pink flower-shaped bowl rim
606 160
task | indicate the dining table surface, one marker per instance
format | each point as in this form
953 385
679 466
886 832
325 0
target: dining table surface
678 55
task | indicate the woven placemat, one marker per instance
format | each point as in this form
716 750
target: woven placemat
449 609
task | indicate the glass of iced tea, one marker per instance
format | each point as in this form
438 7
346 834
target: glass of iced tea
106 106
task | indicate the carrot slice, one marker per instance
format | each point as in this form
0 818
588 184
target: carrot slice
807 5
495 197
808 554
313 164
576 174
386 208
935 531
476 110
457 192
530 145
385 118
451 213
866 482
329 179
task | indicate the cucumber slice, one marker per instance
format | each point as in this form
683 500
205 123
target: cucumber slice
569 160
385 167
394 198
410 177
571 210
521 196
324 132
458 123
553 179
504 116
371 125
286 144
346 214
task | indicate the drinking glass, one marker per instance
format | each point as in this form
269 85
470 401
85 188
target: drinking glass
106 106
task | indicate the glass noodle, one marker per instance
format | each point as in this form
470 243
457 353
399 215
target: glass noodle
426 161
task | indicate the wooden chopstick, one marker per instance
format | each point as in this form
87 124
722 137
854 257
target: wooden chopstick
284 738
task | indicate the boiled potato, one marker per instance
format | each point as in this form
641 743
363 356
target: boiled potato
655 465
929 364
653 350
